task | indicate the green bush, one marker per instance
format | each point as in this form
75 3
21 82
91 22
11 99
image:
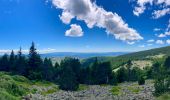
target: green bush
9 86
141 80
6 96
20 78
116 90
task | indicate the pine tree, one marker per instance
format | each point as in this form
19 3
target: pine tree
104 73
122 75
21 64
12 61
129 66
35 64
4 63
48 70
94 71
167 63
68 79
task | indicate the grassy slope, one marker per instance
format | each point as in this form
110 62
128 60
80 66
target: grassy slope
142 55
13 87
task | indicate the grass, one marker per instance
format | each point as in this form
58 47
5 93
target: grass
116 90
10 88
50 91
6 96
82 87
13 87
42 83
134 89
165 96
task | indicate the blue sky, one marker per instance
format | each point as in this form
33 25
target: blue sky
85 26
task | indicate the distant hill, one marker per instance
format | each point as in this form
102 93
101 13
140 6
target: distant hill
141 55
81 55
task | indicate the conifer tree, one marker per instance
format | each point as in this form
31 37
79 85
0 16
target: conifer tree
12 61
68 79
35 63
4 63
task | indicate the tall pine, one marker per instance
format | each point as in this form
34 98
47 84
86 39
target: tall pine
34 64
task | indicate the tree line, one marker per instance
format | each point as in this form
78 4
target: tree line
69 73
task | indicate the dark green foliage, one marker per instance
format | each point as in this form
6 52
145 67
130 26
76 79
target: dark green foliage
162 77
135 74
141 80
12 61
35 64
4 63
129 66
121 75
104 73
113 80
161 82
85 76
167 63
68 77
20 66
48 70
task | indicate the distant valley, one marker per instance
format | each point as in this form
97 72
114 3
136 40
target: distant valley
82 55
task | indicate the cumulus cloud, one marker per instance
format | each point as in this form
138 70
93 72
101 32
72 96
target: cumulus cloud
142 5
95 16
74 31
161 35
168 41
159 13
151 40
164 34
159 42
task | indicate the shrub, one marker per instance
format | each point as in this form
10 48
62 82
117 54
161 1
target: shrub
141 80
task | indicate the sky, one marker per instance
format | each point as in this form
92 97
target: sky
84 25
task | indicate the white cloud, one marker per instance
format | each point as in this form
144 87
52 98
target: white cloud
156 29
159 42
151 40
161 35
164 35
142 5
168 41
66 17
26 51
130 43
93 15
167 29
74 31
159 13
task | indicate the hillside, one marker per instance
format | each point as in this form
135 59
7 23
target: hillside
141 55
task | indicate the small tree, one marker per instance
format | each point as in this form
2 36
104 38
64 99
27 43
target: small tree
121 75
141 80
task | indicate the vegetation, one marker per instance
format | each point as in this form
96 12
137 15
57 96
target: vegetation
141 80
116 90
71 74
